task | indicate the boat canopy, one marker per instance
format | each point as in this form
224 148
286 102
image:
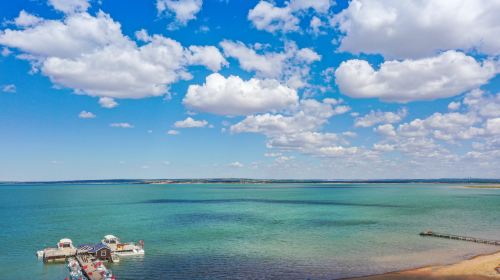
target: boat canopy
65 241
110 237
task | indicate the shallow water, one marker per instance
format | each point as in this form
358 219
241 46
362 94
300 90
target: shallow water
213 231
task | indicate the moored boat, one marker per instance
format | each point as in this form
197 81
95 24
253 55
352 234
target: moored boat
123 249
75 271
63 250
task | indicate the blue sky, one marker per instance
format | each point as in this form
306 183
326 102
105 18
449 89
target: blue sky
261 89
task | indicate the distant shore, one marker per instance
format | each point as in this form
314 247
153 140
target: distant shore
469 182
476 268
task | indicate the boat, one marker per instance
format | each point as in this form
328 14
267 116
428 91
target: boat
63 250
106 274
75 271
123 249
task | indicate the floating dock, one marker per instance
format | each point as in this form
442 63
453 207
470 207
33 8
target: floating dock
88 259
93 270
458 237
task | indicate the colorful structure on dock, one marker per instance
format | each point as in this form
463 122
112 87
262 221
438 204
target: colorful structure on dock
86 262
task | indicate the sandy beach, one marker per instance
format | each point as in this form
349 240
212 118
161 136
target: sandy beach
479 267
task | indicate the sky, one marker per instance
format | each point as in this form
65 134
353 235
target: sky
101 89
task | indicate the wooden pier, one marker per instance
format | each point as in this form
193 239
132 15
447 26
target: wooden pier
89 267
458 237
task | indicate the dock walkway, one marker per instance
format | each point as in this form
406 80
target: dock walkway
458 237
89 269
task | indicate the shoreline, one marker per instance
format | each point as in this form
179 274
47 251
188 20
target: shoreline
478 267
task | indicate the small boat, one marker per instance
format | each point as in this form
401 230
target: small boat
63 250
123 249
75 271
106 274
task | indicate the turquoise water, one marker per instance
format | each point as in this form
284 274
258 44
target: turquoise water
214 231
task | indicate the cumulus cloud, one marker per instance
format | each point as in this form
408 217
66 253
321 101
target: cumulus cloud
266 16
386 129
209 56
26 19
70 6
173 132
454 106
10 88
398 29
183 10
475 128
236 164
290 66
268 64
234 96
86 115
90 55
445 75
107 102
299 130
5 52
483 104
309 116
376 117
190 123
122 125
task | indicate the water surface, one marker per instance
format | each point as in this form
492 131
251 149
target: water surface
213 231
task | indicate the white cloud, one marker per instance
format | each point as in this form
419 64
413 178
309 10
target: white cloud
386 129
339 110
236 164
268 64
448 126
70 6
209 56
445 75
6 52
478 122
26 19
454 106
190 123
234 96
309 116
493 126
383 147
376 117
86 115
315 24
121 125
90 55
290 66
482 104
400 29
266 16
10 88
107 102
183 10
173 132
77 34
298 130
320 6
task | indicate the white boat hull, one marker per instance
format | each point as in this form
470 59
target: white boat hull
135 252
